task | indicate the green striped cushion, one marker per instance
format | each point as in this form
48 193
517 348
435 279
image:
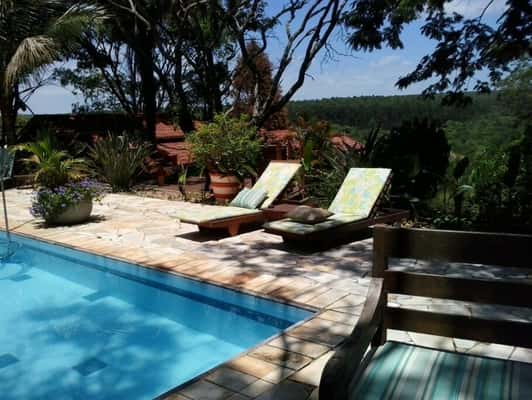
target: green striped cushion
404 372
249 198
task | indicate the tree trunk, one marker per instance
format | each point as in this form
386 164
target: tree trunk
214 97
145 45
185 116
9 118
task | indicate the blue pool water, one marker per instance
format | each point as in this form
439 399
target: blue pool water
79 326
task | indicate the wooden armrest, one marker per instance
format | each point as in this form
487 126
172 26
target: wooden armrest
342 368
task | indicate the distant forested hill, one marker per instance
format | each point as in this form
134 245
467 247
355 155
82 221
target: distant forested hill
484 123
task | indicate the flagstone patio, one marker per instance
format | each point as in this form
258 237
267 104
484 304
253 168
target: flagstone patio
334 282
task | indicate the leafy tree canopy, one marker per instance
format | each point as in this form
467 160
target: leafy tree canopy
464 46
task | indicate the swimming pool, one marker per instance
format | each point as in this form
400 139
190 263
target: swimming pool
78 326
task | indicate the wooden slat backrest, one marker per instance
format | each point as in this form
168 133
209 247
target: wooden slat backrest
518 294
512 333
451 246
505 250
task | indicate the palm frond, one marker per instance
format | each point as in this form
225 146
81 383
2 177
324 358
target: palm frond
53 167
40 31
32 54
70 26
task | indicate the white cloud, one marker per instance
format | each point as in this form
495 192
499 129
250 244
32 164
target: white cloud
386 60
473 8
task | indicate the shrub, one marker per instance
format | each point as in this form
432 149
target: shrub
229 146
47 203
418 153
118 160
52 167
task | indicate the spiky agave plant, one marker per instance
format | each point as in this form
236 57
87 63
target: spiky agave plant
118 159
53 167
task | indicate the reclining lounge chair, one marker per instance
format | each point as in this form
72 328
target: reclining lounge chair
273 181
354 207
368 366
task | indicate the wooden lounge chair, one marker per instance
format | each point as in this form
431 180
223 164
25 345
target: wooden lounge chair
367 366
355 209
273 181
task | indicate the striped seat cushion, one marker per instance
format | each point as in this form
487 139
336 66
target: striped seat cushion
249 198
401 371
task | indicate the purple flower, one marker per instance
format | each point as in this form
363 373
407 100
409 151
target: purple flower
49 202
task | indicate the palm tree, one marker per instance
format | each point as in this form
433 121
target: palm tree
53 167
34 34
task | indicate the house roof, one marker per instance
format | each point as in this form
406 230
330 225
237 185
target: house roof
166 132
177 152
284 136
346 143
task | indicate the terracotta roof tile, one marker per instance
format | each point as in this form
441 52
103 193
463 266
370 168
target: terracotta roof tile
177 152
164 132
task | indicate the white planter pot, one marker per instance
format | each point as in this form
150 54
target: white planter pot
74 214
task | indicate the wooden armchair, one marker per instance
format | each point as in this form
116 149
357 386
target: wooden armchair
363 368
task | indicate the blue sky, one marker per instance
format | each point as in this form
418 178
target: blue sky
356 74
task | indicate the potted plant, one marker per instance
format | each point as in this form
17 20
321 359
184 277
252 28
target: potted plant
228 149
67 204
63 196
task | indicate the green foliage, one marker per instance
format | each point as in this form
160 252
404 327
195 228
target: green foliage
33 35
322 182
490 131
465 45
443 220
492 192
325 165
485 123
315 141
454 188
516 90
118 159
52 167
418 154
22 120
229 146
363 113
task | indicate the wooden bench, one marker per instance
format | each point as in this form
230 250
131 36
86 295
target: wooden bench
365 357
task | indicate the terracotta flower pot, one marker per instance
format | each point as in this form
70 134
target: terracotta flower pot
224 187
74 214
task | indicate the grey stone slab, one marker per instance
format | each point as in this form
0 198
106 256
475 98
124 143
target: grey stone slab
257 388
287 390
311 374
205 390
297 345
230 378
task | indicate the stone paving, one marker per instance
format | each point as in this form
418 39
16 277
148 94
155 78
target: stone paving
334 282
